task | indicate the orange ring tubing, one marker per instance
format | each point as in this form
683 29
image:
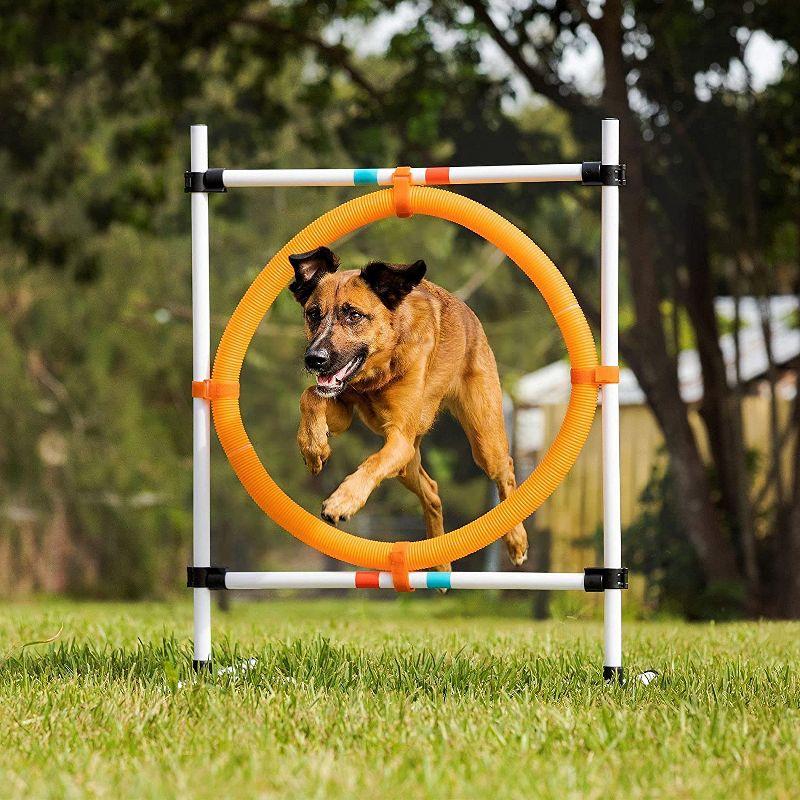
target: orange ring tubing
521 503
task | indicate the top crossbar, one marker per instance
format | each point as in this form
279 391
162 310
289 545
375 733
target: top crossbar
588 173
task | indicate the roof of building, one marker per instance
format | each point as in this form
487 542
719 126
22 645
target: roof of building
551 384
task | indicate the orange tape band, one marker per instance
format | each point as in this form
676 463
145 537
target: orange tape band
398 564
401 191
215 389
595 375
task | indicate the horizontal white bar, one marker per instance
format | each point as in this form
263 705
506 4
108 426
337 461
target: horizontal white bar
513 173
509 173
290 580
235 178
516 173
418 580
517 580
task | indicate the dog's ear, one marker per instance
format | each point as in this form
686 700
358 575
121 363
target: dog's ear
308 269
392 282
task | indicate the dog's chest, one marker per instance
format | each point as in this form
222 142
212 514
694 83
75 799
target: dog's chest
374 414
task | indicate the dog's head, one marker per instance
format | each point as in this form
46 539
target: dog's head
349 315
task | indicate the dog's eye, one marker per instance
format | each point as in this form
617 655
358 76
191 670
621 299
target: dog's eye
312 315
354 316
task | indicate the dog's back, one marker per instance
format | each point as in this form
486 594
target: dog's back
462 347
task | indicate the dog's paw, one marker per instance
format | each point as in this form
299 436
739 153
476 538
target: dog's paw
517 545
343 503
443 568
315 454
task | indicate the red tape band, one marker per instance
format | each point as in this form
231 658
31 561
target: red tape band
437 175
368 580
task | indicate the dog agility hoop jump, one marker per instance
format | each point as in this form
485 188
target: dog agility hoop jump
397 564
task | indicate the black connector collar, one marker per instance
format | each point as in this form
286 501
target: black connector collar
613 675
598 579
206 577
208 181
593 173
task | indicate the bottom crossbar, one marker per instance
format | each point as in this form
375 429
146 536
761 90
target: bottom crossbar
418 580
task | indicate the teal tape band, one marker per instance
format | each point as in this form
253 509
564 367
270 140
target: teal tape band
438 580
361 176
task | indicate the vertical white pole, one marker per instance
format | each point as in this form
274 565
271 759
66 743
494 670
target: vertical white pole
609 281
201 409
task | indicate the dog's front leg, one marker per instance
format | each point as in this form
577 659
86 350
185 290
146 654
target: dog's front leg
319 418
354 490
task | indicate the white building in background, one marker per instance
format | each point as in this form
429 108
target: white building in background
550 386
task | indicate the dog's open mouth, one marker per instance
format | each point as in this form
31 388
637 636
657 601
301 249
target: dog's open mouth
332 384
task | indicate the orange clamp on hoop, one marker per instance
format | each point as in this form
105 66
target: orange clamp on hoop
604 373
401 191
215 390
399 566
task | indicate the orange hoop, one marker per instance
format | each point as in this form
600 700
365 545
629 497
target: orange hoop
520 504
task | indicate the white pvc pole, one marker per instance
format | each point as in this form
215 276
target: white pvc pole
510 173
418 580
550 581
517 173
236 178
290 580
609 281
201 409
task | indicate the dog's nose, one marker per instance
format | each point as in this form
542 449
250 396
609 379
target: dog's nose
317 360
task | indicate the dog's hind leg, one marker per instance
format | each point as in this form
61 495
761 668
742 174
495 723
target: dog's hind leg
479 409
416 480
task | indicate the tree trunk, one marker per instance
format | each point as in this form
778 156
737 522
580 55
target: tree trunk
649 353
720 410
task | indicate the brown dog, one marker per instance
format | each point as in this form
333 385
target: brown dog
396 349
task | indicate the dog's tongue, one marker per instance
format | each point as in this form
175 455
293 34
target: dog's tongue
336 378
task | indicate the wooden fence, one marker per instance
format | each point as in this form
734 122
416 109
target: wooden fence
575 511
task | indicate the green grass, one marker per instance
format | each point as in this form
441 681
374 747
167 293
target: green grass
411 698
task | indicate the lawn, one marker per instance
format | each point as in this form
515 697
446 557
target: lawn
411 698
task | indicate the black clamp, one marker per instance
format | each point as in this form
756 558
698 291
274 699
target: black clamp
598 579
208 181
206 577
594 173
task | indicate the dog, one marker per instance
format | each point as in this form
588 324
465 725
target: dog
395 349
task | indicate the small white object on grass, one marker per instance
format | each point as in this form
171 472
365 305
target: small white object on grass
249 664
243 667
